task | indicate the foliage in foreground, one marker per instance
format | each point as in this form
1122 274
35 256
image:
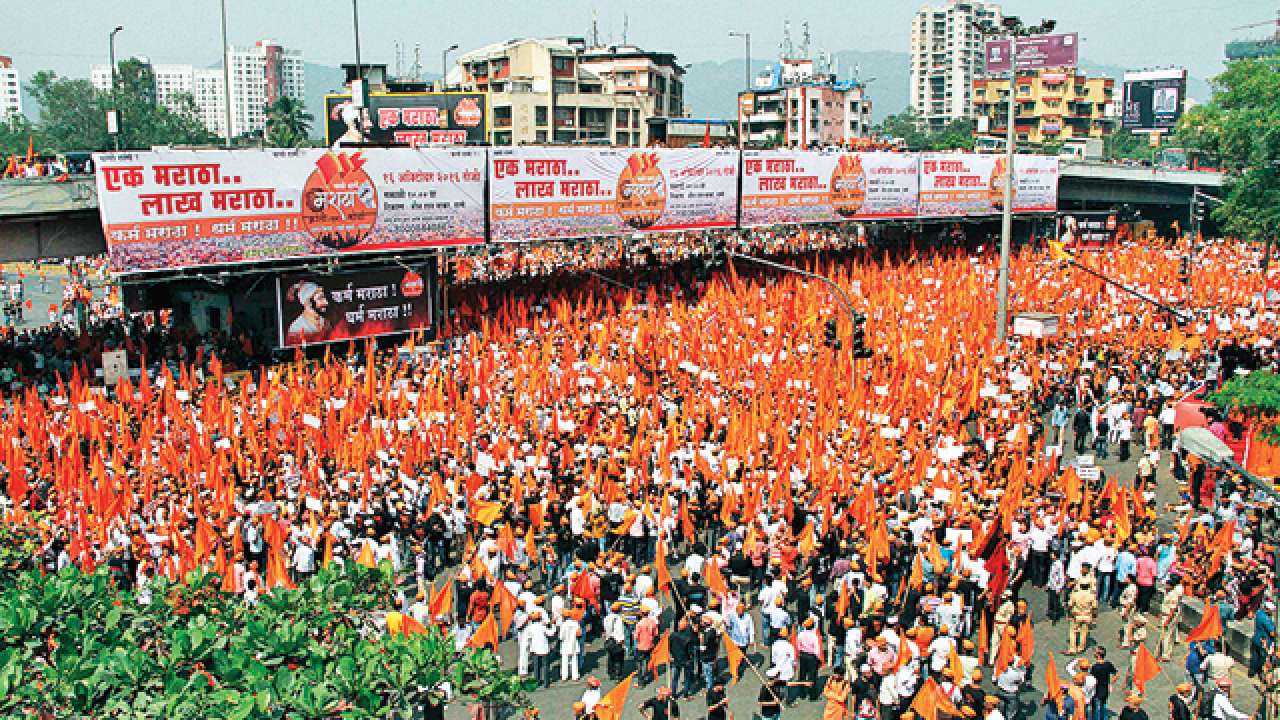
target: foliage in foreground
1257 395
75 647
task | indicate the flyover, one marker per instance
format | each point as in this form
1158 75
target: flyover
49 218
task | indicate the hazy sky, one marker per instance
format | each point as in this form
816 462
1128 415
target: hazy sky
68 35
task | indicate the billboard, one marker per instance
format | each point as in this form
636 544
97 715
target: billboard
315 308
1035 183
558 192
785 187
1035 53
955 184
430 118
1153 99
170 209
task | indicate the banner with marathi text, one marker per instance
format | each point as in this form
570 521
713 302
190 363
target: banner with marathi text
314 308
959 184
785 187
556 192
169 209
1035 187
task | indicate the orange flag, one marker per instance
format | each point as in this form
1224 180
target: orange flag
715 581
733 653
441 602
611 705
954 667
365 557
485 512
506 603
409 626
486 635
1026 640
661 654
984 636
931 700
1052 684
1145 667
660 563
1210 626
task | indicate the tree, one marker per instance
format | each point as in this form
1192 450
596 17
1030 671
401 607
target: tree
73 113
1256 395
15 132
957 135
1241 126
288 123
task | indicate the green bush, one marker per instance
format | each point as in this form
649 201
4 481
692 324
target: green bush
73 646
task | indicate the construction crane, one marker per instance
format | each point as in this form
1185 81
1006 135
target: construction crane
1275 23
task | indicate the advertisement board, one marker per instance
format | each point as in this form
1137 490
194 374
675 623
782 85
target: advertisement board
955 185
556 192
1035 53
430 118
1153 99
1035 183
315 308
784 186
169 209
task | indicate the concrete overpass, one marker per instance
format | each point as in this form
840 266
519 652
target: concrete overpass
1097 186
44 218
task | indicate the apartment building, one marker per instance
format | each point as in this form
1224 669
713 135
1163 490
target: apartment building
946 56
10 88
560 90
1052 106
797 104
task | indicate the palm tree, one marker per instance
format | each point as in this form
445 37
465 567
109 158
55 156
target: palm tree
288 123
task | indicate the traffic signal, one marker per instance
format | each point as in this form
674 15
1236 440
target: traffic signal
1184 269
859 338
1199 210
832 339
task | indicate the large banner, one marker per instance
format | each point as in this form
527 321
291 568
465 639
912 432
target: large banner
313 308
784 187
182 208
556 192
1035 183
428 118
956 185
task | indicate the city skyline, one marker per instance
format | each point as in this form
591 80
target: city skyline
1188 33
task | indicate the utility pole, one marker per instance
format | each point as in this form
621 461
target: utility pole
226 73
115 110
1006 215
746 72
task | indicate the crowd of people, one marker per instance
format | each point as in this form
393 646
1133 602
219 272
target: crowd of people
687 483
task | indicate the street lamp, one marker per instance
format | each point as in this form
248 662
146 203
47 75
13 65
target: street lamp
746 37
226 72
115 115
357 85
444 66
1011 28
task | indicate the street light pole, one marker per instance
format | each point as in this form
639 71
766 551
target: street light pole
355 26
746 72
226 73
444 66
111 43
1006 216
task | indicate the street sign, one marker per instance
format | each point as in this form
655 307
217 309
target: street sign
1035 53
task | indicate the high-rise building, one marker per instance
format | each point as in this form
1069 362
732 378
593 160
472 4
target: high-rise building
946 55
10 88
799 105
559 90
1052 106
259 76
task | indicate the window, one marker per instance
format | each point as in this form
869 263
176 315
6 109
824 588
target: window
540 115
